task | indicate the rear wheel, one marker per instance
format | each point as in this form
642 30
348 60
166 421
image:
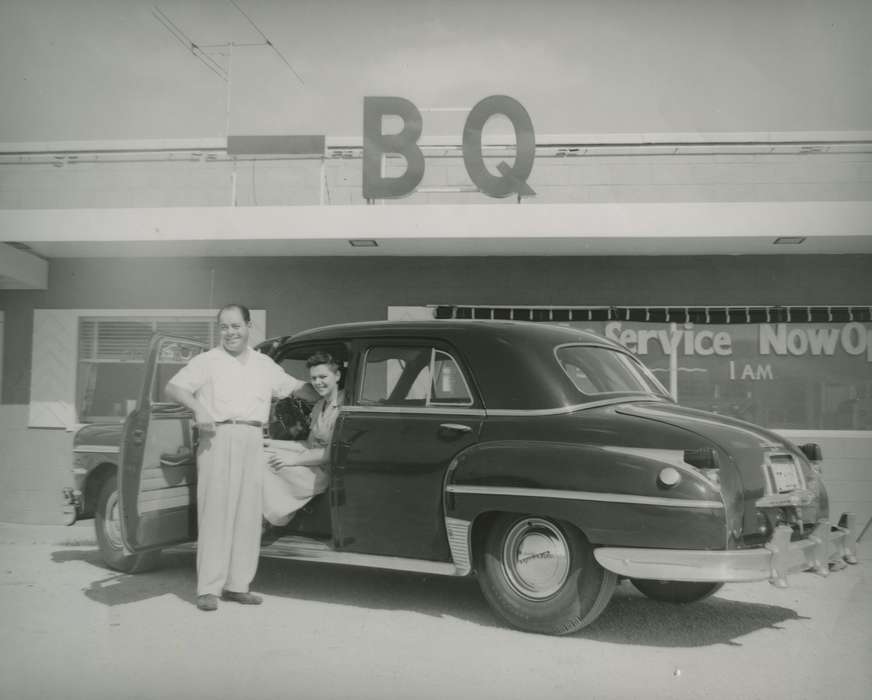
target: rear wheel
676 591
540 575
108 526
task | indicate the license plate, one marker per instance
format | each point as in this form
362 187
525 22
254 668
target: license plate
785 476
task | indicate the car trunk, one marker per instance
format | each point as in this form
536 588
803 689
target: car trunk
765 479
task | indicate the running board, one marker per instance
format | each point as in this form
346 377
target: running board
307 549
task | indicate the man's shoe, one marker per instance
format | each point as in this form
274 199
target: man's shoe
244 598
207 602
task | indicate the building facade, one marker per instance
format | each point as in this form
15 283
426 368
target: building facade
736 265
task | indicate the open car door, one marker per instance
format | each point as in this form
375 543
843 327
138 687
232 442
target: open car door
158 477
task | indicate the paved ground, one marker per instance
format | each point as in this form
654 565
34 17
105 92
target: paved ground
73 629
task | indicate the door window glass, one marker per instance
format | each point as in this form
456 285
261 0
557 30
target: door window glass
449 385
412 376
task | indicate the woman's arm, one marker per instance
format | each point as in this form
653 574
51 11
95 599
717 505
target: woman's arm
289 453
313 457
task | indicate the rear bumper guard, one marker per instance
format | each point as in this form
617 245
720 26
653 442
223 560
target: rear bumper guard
827 544
72 505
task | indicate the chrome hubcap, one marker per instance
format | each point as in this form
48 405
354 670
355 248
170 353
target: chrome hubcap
535 558
111 524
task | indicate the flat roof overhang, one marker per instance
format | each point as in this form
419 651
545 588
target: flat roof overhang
506 228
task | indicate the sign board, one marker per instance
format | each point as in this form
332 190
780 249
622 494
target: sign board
511 180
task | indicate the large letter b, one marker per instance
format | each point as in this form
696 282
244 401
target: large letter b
376 144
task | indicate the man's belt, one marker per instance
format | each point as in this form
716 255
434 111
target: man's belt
236 421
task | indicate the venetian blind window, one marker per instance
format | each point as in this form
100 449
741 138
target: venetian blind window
112 359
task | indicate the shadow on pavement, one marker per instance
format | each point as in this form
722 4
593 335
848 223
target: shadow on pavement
175 576
629 619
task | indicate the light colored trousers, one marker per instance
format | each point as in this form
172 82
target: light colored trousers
229 506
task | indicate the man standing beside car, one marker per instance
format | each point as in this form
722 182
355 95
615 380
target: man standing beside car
229 389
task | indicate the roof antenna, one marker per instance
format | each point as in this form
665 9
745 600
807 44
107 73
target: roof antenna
267 42
205 57
188 43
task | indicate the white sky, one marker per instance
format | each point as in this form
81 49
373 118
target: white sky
106 69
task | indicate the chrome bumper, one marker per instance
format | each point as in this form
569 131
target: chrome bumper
773 562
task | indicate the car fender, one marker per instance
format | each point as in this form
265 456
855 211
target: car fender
612 494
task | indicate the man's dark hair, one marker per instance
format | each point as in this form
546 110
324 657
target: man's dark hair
246 314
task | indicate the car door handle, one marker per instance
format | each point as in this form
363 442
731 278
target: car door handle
455 427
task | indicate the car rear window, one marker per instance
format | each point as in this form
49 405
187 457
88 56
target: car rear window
595 369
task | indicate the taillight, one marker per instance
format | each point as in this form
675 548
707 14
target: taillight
812 451
702 458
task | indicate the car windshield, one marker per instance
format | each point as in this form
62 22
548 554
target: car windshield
595 369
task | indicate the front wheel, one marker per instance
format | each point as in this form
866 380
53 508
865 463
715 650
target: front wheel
540 575
108 525
676 591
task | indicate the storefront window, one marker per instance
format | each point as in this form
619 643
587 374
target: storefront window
779 375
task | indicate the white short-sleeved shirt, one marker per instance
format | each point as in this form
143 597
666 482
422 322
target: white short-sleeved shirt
233 387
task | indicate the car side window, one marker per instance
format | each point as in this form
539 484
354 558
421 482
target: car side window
412 376
449 386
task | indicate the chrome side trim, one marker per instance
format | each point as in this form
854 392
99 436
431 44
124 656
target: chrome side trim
569 409
482 413
458 541
429 410
108 449
304 549
585 496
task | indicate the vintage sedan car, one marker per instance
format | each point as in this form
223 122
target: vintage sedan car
547 461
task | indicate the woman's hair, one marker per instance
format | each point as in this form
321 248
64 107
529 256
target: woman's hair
323 358
246 314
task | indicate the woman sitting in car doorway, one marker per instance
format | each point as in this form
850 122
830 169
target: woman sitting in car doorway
296 471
